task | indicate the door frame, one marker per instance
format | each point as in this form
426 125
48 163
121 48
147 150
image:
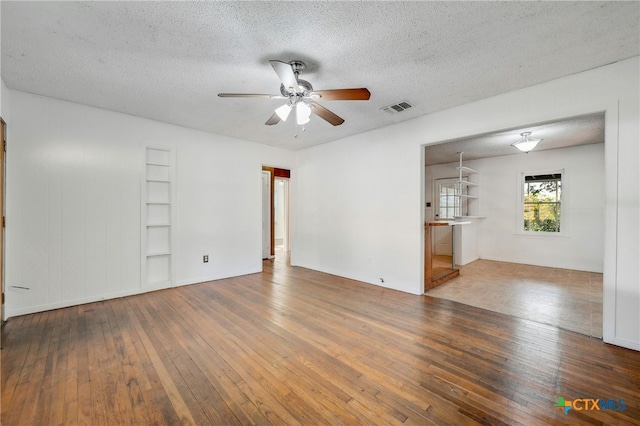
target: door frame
267 210
3 151
285 208
275 172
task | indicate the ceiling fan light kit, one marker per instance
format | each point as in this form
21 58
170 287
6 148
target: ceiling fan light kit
303 113
283 111
300 94
526 142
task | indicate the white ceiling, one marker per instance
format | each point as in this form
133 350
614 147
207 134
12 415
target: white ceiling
168 60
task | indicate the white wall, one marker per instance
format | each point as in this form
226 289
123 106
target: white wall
74 178
362 197
581 244
356 213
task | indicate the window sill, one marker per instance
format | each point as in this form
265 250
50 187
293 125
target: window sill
552 235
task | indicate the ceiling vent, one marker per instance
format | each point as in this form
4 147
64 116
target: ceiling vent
396 108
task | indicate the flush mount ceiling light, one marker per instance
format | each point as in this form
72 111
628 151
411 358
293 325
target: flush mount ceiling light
526 143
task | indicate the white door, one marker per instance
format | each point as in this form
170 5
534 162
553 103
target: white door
448 206
281 216
266 214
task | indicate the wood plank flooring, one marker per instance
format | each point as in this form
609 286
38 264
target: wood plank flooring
294 346
564 298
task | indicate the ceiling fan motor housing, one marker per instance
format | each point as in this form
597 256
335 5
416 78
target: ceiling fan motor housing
305 88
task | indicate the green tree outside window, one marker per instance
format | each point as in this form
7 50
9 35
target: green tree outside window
542 202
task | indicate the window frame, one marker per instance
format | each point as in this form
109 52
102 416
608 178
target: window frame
564 217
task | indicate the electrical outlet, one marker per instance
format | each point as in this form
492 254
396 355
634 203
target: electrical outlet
205 258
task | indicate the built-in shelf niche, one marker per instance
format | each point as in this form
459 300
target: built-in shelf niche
158 216
158 192
468 191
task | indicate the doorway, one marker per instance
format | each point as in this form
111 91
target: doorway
281 215
447 207
275 211
266 214
504 274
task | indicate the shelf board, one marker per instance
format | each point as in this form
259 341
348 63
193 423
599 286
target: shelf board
473 197
158 225
164 253
165 203
470 217
158 180
157 164
466 182
467 169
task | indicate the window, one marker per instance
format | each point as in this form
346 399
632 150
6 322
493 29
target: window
542 202
448 197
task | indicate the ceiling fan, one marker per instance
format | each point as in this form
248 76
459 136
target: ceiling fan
301 97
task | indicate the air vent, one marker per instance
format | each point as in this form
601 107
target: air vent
396 108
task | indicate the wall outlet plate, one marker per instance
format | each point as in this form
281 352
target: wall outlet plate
205 258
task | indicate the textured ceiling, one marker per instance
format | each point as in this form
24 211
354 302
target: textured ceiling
168 60
582 130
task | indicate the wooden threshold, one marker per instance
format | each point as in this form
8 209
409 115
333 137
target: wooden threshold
442 275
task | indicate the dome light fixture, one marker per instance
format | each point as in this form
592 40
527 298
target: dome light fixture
526 143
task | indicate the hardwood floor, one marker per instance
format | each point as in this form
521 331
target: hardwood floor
295 346
564 298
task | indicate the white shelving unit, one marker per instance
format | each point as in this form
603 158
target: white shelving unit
468 190
157 219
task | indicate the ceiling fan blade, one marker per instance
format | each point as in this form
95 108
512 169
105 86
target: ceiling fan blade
250 95
325 114
286 75
360 94
274 119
